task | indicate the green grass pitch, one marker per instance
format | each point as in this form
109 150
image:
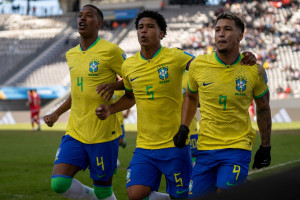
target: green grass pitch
27 158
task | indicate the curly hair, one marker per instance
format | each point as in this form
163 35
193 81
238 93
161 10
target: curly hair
160 20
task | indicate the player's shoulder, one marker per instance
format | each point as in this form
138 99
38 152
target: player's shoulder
73 50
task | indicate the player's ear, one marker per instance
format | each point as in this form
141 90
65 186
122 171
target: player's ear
241 36
161 34
100 23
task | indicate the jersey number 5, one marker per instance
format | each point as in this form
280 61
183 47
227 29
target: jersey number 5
150 92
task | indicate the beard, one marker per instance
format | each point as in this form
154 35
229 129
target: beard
224 51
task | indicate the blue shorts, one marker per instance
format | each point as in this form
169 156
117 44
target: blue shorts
193 144
224 168
123 131
101 158
147 167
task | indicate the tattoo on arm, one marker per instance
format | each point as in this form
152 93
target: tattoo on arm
264 120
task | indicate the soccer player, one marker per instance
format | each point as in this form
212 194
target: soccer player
226 90
194 126
34 101
153 80
89 142
121 116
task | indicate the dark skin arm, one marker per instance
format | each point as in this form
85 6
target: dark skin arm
189 108
249 58
107 90
264 120
124 103
53 117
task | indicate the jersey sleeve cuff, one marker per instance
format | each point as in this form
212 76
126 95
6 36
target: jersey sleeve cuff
191 89
259 96
127 89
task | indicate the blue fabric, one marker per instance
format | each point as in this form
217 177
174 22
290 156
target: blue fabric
100 158
147 166
224 168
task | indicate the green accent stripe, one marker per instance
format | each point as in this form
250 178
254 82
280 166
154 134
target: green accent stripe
190 89
93 44
157 52
129 90
259 96
222 63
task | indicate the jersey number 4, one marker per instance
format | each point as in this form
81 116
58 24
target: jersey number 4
80 83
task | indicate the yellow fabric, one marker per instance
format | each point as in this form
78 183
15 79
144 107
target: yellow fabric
194 126
117 95
225 121
89 69
156 84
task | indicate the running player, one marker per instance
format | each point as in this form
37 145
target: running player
34 101
153 80
89 142
194 126
226 90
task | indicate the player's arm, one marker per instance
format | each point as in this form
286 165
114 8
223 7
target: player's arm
248 59
107 90
189 108
53 117
264 121
124 103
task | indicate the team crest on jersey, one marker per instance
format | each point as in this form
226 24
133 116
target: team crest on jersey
241 83
93 67
163 73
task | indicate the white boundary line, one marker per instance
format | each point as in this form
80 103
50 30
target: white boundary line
272 167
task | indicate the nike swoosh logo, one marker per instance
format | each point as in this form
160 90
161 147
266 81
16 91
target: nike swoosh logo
180 192
132 79
205 84
101 175
70 68
230 184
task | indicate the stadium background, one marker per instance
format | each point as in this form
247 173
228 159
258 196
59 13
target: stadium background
34 39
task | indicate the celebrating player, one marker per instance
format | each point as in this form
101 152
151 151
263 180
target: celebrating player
89 142
226 90
152 79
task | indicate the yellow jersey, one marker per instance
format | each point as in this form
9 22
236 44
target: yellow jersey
194 126
97 65
225 94
117 95
157 87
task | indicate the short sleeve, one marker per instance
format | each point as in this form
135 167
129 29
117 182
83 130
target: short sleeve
126 81
183 59
192 83
261 86
117 57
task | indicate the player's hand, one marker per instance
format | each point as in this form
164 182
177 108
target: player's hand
102 112
249 58
51 119
180 138
106 91
262 157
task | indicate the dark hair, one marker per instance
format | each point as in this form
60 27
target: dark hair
230 16
160 20
99 12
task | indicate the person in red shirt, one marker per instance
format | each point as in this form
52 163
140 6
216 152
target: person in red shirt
35 107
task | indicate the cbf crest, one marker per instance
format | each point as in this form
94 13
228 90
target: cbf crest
163 73
93 67
241 85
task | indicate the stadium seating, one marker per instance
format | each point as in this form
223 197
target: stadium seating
272 34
